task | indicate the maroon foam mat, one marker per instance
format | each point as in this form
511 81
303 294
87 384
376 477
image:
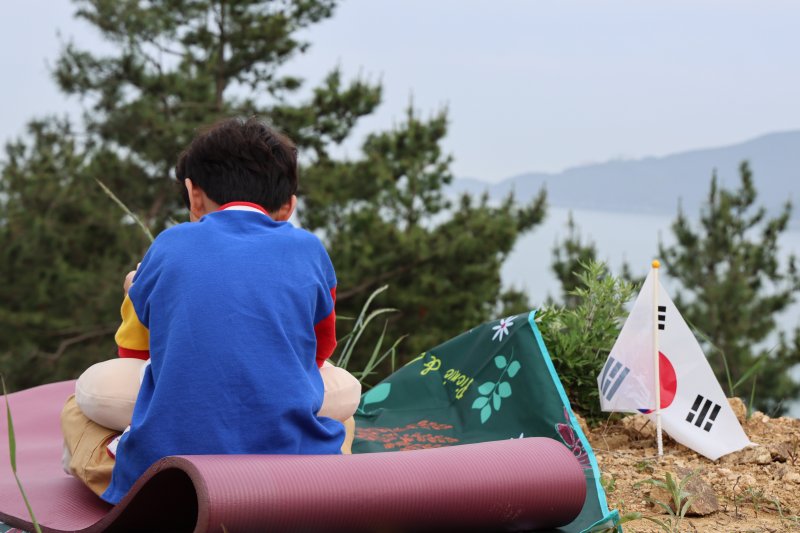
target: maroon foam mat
511 485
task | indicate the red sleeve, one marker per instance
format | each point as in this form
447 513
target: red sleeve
325 331
135 354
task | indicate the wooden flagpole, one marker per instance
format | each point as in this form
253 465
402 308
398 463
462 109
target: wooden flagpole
656 362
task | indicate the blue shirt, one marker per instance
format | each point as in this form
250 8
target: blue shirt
231 303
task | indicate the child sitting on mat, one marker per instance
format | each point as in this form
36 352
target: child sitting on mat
236 315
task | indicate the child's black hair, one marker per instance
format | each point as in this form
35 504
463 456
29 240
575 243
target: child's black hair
240 160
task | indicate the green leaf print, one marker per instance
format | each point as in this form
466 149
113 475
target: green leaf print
480 402
497 390
486 388
377 394
486 412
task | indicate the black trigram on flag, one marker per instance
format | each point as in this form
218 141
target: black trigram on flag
662 316
613 375
708 405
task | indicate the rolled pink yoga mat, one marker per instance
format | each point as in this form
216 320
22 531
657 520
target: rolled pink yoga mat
513 485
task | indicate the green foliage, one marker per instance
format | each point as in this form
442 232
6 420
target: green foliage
790 521
616 528
609 484
644 466
733 287
350 342
172 66
386 220
580 339
568 256
180 64
680 501
64 249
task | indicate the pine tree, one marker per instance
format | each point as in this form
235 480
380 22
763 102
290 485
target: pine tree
734 285
175 66
63 253
388 221
180 64
569 259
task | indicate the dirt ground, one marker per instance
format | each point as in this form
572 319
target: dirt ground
755 490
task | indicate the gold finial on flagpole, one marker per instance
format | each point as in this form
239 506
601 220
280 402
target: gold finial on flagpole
656 263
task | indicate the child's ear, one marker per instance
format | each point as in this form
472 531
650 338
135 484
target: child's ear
195 200
199 204
285 211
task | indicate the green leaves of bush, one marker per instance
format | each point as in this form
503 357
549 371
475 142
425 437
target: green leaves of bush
580 338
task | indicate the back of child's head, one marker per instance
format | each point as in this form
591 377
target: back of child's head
240 160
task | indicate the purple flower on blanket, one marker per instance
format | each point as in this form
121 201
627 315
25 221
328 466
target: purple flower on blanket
572 441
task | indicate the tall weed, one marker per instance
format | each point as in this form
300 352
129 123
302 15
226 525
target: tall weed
12 452
378 354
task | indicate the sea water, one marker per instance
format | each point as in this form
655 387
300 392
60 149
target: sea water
619 238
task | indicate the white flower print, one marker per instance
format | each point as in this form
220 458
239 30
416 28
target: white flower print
502 328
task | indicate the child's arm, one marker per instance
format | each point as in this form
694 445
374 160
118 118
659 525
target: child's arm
325 331
133 339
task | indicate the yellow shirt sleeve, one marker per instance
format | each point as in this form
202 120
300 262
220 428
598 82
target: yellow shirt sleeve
133 339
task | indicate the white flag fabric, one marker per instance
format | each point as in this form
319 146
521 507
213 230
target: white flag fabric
694 409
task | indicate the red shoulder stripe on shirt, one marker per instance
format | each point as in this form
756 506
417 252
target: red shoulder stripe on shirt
325 331
135 354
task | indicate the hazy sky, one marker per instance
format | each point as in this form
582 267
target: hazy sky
530 85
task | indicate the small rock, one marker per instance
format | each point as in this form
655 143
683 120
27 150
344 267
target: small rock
758 455
705 499
792 477
739 409
639 427
731 478
657 494
746 480
611 442
781 452
780 472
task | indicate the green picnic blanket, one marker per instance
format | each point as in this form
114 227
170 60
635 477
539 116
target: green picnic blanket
494 382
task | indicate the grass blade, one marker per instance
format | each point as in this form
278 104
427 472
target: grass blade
347 351
124 207
375 354
349 341
358 330
375 362
751 404
750 371
362 327
12 450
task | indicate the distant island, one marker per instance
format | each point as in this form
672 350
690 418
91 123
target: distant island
657 184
